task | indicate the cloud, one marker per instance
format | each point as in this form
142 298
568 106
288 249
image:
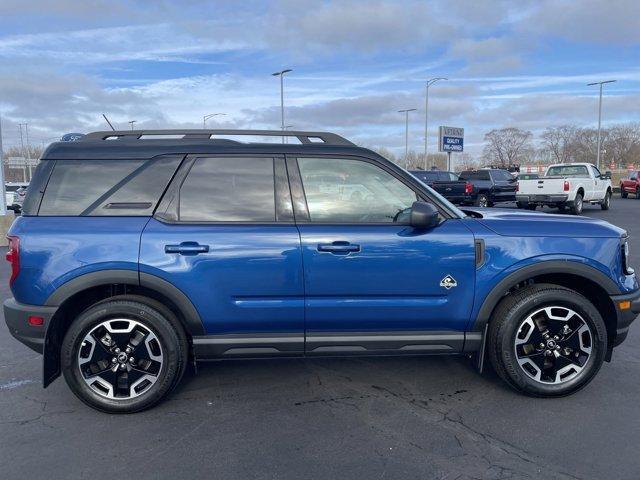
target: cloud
587 21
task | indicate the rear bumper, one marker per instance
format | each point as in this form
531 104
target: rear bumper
542 199
16 315
625 316
498 197
457 198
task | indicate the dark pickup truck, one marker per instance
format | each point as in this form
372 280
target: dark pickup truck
446 184
490 185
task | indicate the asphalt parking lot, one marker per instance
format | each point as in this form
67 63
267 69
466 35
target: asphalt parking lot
425 418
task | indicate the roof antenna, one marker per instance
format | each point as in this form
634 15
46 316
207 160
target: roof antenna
105 117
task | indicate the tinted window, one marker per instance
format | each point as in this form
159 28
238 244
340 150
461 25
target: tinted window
353 191
452 176
229 190
107 187
427 176
476 175
501 175
568 171
596 172
633 176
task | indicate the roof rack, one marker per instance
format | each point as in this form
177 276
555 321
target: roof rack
325 138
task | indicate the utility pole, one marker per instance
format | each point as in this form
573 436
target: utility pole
281 75
26 129
430 82
406 135
3 202
24 170
599 116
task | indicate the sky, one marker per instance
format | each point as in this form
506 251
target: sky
165 64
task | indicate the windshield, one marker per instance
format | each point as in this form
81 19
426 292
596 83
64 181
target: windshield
568 171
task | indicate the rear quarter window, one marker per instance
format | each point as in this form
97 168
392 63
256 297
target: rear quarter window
107 187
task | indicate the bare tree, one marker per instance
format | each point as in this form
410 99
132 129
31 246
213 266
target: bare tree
622 143
560 142
507 146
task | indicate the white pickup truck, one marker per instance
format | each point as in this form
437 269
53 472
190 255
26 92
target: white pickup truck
566 185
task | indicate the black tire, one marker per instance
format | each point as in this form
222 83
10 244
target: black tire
505 327
482 200
606 203
578 203
637 193
623 192
150 316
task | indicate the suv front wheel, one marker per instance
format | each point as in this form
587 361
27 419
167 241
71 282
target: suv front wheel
546 340
124 354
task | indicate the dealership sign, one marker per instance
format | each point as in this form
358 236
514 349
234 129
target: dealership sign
451 139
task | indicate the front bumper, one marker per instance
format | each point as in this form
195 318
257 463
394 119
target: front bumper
16 315
542 199
625 316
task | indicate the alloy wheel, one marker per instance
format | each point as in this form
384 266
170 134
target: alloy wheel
120 359
553 345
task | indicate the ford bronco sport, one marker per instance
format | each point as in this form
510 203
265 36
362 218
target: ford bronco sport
181 246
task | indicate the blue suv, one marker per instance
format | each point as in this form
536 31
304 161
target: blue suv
140 251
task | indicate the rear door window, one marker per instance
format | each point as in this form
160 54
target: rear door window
233 189
107 187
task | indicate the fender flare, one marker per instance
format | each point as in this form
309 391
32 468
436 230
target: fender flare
192 321
51 356
542 268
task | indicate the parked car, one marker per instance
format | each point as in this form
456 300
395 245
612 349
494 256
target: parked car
567 185
10 188
490 186
630 185
186 249
446 184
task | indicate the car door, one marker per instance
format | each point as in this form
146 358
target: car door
224 235
599 185
372 282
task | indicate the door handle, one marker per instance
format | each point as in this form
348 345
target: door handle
187 248
338 248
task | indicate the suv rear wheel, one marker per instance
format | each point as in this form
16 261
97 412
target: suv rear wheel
124 354
546 340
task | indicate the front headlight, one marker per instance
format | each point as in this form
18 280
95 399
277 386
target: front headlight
625 257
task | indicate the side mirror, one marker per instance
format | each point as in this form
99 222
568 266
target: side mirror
424 215
607 175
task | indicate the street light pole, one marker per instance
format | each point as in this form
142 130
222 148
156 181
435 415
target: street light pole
599 116
406 134
430 82
131 122
208 116
281 75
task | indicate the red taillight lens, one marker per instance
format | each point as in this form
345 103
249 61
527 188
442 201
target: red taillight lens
13 257
566 186
468 188
35 321
517 186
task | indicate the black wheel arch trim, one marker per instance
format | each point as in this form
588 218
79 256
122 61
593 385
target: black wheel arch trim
50 358
192 320
542 268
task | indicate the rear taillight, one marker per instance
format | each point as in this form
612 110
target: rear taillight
566 186
13 257
517 186
468 188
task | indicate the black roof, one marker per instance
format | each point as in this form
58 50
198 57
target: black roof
141 144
